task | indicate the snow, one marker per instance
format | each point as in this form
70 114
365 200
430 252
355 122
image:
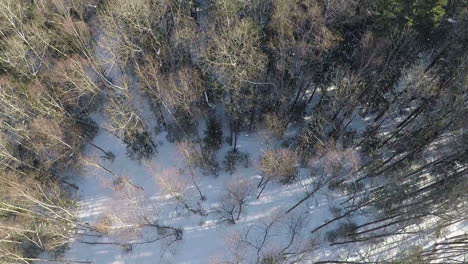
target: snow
203 237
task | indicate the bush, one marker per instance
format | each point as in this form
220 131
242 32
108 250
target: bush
103 225
275 124
207 163
279 165
423 15
273 259
233 158
343 231
139 145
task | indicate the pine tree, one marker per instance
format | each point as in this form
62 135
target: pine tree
422 15
213 133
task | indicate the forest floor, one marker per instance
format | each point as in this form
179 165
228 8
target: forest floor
203 236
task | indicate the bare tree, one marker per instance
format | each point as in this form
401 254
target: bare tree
173 183
124 121
260 243
236 251
126 124
175 94
234 201
332 165
74 81
128 210
50 141
27 42
131 219
39 215
192 157
300 38
33 32
236 60
128 28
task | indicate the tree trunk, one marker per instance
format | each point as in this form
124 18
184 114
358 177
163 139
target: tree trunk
263 188
240 210
236 135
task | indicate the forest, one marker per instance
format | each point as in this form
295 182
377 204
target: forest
233 131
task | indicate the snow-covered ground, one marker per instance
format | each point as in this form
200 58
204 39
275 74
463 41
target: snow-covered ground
204 237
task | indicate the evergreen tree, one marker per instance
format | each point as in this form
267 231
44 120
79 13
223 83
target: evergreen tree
213 133
422 15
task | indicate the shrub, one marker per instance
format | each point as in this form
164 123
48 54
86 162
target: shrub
103 225
279 165
139 145
275 124
273 259
233 158
423 15
343 231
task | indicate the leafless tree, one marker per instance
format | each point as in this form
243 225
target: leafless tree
128 211
40 215
234 201
173 183
33 32
124 121
74 81
192 157
51 142
332 165
236 251
131 219
259 243
236 60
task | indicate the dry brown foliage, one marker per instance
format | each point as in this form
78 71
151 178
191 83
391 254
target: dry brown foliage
281 164
275 124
